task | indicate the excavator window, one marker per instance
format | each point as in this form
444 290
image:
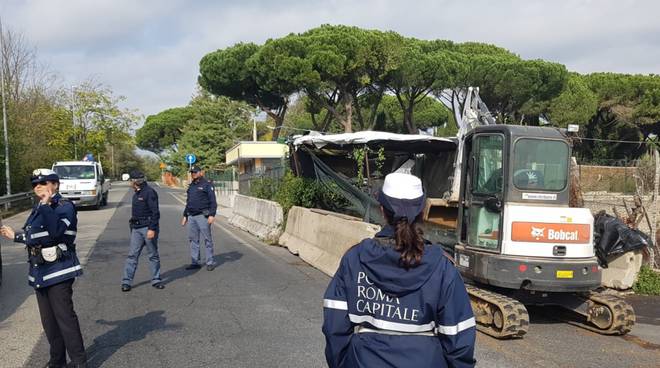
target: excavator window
483 228
540 164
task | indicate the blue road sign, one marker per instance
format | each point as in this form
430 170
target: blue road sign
190 158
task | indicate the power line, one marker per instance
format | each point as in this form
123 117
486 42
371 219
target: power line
614 140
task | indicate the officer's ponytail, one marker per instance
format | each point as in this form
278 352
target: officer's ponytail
409 240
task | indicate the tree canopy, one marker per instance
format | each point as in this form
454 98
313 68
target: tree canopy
163 130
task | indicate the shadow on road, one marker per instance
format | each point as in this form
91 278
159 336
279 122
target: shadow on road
223 258
14 290
181 272
123 333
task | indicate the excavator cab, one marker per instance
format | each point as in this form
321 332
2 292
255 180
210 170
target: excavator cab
514 212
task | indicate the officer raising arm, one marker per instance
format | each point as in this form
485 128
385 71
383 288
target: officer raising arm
396 300
199 214
49 235
144 231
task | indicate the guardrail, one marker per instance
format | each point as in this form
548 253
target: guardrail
15 202
12 204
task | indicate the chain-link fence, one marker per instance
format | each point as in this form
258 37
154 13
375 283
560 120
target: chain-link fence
623 188
262 183
627 177
228 181
224 180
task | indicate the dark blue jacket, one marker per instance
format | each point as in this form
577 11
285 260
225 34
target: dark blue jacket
145 210
201 196
47 226
419 317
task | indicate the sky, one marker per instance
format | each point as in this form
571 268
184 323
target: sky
149 50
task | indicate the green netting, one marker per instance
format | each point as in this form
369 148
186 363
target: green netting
360 203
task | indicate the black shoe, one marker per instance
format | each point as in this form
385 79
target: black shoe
51 365
78 365
125 287
159 285
210 267
193 266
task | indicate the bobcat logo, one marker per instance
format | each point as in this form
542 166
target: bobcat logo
537 233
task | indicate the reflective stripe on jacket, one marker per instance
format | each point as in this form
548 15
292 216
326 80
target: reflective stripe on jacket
47 226
419 317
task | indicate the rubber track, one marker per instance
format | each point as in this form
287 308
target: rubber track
623 315
516 318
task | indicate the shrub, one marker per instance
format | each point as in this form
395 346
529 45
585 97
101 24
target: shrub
648 282
264 188
308 193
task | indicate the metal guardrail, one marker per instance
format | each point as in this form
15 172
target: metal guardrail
12 204
15 197
16 200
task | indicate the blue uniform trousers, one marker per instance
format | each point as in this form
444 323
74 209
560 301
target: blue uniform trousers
138 241
198 227
60 323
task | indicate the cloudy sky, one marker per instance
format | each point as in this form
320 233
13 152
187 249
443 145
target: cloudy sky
148 50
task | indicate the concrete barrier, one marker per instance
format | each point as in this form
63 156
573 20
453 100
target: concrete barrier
321 237
622 271
225 199
259 217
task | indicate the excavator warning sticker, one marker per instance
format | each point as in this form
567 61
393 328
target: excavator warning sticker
541 232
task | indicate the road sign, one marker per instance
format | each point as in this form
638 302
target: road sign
190 158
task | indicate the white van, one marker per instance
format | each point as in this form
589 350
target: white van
83 182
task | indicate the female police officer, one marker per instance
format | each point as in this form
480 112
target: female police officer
396 300
49 235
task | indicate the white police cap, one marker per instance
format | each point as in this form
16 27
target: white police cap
40 175
402 186
403 196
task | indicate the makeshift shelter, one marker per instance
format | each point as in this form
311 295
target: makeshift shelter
355 164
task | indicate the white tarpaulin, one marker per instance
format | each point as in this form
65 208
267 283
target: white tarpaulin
365 137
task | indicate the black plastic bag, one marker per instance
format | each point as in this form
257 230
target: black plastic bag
613 237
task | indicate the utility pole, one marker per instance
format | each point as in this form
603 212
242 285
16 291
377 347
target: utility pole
73 122
4 108
254 128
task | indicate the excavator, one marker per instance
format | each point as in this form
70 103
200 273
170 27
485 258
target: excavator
498 201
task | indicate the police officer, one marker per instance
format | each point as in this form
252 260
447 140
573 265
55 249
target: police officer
144 231
397 300
49 235
199 214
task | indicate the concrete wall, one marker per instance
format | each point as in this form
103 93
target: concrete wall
259 217
321 237
225 199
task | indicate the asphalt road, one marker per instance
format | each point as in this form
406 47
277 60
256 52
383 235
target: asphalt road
262 308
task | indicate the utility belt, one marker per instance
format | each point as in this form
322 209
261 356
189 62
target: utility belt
138 222
362 329
205 212
50 254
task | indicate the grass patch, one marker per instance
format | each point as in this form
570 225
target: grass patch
648 282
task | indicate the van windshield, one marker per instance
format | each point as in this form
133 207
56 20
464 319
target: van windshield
75 172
